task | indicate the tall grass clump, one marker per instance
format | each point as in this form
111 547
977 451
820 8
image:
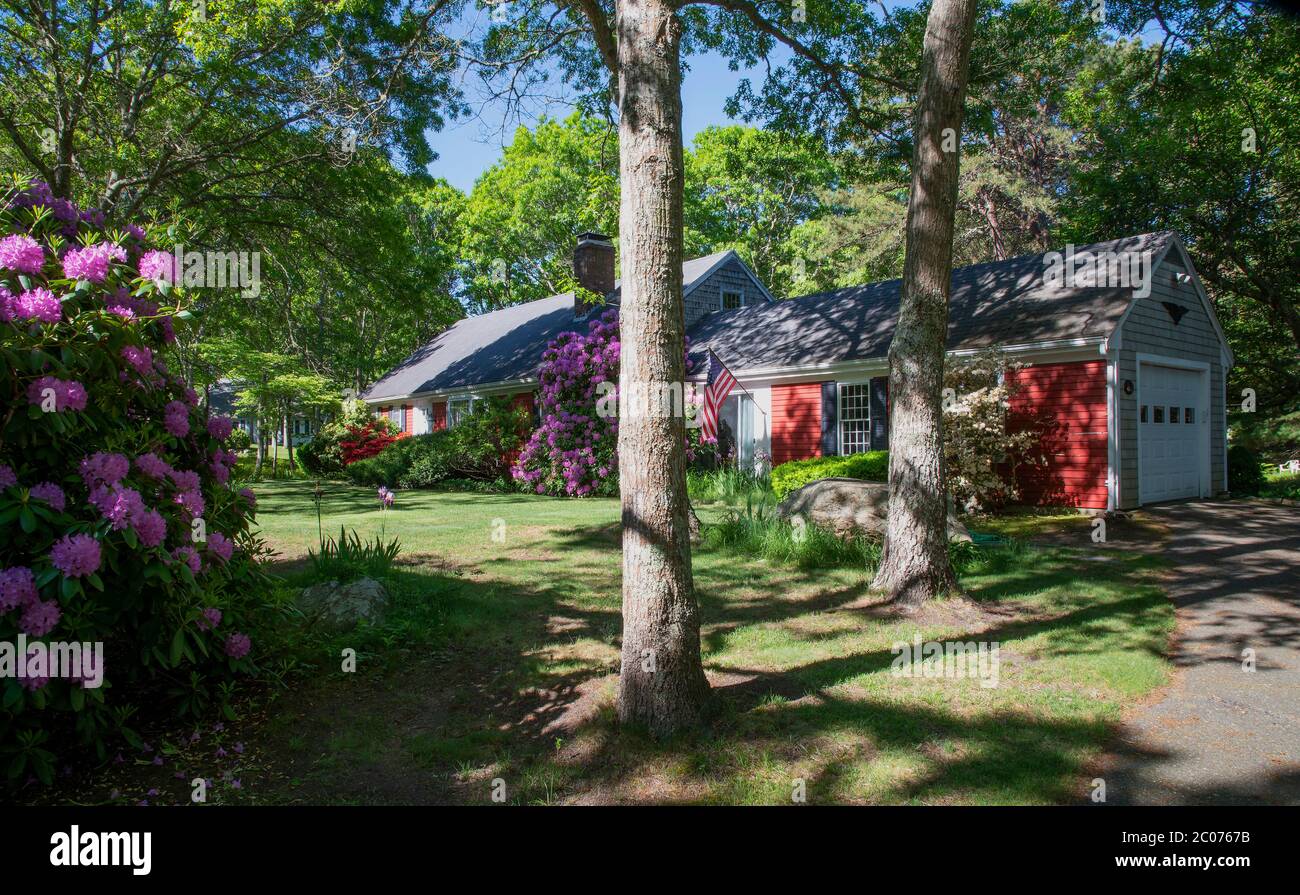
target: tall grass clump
757 531
728 485
348 558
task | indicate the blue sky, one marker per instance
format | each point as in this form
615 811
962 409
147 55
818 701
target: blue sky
468 148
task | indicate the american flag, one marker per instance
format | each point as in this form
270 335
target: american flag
716 389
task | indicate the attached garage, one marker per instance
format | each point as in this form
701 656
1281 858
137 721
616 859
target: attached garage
1173 429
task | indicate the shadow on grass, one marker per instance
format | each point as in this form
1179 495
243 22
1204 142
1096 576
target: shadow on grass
514 679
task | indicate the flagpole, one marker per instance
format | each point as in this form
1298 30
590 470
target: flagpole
741 387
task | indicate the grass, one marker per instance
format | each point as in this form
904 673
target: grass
1280 485
498 660
729 486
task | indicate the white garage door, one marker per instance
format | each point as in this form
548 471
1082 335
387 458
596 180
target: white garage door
1172 431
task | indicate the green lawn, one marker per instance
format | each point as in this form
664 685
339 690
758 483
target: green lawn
498 661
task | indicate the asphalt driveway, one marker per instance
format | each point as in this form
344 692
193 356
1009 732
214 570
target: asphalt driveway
1221 734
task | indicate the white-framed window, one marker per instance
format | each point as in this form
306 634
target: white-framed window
457 410
855 417
732 298
395 416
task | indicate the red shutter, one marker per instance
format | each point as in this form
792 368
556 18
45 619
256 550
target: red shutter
1068 401
408 423
796 422
439 416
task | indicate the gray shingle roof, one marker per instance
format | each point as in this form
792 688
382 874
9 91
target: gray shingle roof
999 302
499 346
996 303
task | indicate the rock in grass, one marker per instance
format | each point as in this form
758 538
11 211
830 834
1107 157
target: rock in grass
851 507
342 604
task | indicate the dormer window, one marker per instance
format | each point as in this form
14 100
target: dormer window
732 299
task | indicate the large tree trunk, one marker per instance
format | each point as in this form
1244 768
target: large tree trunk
661 684
914 566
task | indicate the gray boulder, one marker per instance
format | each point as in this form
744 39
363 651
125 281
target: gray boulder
341 605
851 506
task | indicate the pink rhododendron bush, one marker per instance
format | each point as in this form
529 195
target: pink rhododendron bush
118 521
574 452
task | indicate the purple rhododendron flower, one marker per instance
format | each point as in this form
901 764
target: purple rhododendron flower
34 304
140 358
52 494
76 555
191 502
184 479
67 394
156 265
176 419
220 546
150 528
39 618
91 263
21 254
219 427
219 472
238 646
104 468
7 477
208 620
189 556
153 466
17 588
248 495
120 506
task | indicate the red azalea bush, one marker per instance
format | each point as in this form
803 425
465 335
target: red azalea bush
118 524
363 442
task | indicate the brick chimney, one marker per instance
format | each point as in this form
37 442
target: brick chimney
593 268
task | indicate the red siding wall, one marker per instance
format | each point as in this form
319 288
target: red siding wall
796 422
524 400
439 416
408 418
1069 402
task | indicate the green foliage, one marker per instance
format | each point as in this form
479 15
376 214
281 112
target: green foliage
748 189
479 449
347 557
239 440
1245 472
1275 438
756 531
872 466
520 220
323 455
728 485
1281 486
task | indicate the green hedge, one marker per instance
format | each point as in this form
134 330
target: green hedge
872 466
478 450
1245 472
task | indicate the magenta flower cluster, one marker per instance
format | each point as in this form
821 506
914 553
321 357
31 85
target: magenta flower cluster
107 531
91 262
572 452
21 254
37 304
66 394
